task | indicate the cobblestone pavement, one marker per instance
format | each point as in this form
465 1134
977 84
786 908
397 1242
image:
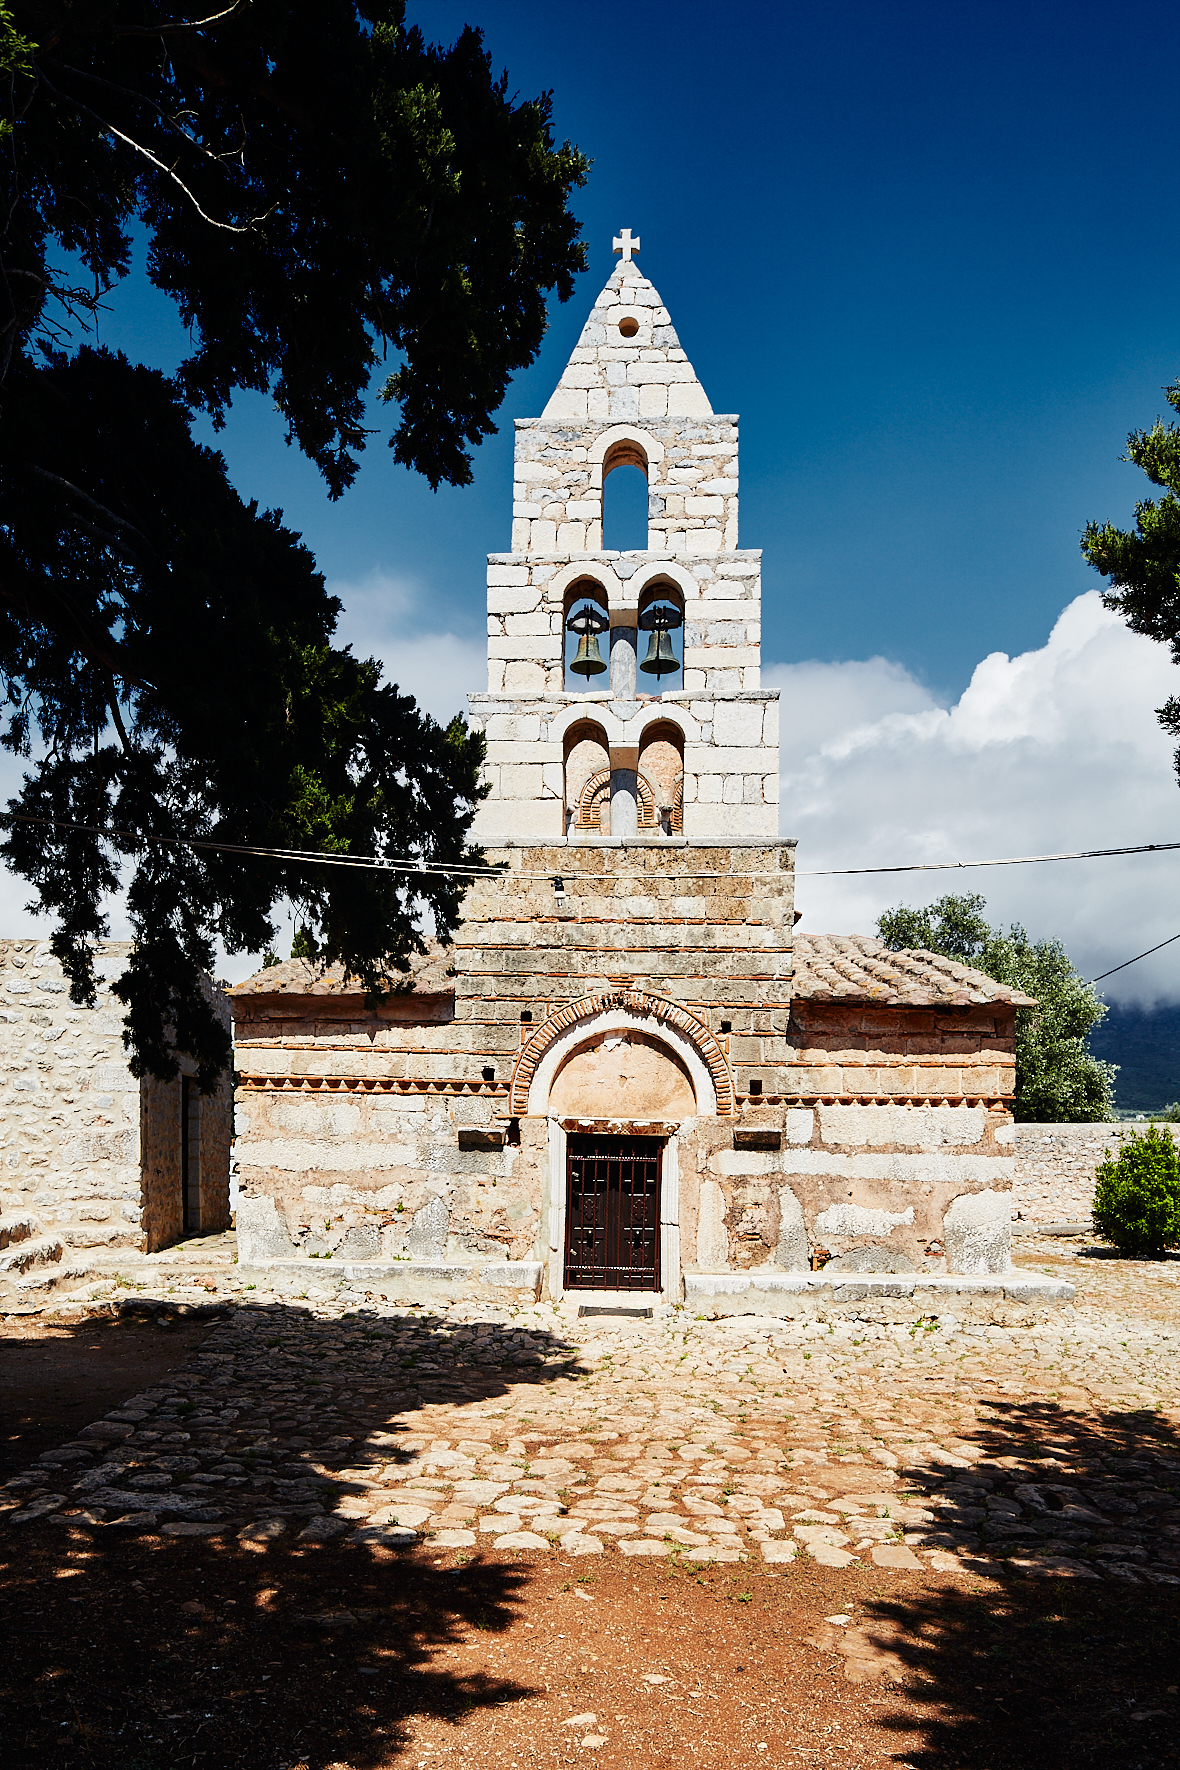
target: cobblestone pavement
1052 1445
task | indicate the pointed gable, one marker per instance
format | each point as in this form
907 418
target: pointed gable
628 364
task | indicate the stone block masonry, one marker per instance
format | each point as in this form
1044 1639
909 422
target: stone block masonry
1056 1164
89 1156
626 1074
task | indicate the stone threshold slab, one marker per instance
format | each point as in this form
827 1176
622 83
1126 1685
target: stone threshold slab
733 1293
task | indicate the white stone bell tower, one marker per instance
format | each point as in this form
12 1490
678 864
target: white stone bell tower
632 760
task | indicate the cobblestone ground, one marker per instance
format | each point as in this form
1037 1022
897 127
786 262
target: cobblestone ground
1050 1446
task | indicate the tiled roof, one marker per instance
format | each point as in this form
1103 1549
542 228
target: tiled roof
858 968
427 976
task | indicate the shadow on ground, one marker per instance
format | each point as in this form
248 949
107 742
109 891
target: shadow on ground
1036 1669
134 1648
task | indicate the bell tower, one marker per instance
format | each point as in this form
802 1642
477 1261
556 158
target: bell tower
670 738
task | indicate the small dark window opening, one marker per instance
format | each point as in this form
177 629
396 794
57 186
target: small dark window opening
755 1086
514 1133
727 1026
526 1015
488 1073
190 1156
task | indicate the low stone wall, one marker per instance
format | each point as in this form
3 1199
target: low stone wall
1055 1164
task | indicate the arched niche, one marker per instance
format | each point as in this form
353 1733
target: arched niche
660 591
661 763
625 1073
584 592
587 758
628 1009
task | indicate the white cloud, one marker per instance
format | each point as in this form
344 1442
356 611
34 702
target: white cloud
1051 750
391 618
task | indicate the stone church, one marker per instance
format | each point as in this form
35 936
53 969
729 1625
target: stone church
629 1075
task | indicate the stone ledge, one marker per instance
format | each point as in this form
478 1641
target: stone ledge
409 1280
767 1293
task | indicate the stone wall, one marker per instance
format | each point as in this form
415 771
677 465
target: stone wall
1055 1166
881 1049
73 1151
391 1133
875 1188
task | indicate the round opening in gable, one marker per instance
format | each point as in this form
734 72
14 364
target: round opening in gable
628 327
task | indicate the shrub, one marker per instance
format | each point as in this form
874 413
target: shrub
1137 1196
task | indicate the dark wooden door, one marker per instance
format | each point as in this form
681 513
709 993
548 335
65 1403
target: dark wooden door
612 1213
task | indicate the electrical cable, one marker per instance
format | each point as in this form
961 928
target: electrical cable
371 862
380 863
1016 860
1134 961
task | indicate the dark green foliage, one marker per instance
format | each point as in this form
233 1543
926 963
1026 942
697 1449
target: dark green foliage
167 651
320 188
1057 1080
1137 1195
1144 567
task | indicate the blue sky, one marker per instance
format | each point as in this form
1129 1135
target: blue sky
929 253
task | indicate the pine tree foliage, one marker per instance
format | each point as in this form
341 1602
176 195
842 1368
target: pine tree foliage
1144 566
321 191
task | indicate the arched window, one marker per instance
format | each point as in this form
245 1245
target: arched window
661 765
586 650
587 767
661 638
624 497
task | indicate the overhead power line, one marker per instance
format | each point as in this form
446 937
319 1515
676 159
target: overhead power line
383 863
1134 961
370 862
1016 860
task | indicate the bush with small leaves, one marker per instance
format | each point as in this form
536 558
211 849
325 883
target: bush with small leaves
1137 1196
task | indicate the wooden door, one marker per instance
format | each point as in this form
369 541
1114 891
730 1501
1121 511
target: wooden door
612 1217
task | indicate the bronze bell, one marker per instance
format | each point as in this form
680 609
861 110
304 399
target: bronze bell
661 659
659 620
587 623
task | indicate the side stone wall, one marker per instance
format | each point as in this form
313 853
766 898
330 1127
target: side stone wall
74 1157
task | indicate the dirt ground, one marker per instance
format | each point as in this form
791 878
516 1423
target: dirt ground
139 1650
147 1653
57 1376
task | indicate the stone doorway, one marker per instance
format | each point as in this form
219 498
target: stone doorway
612 1235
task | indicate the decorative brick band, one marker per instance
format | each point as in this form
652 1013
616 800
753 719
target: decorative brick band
367 1085
992 1103
629 1001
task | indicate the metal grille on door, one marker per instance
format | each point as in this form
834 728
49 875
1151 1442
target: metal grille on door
612 1237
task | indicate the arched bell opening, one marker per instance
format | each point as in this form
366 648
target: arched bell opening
661 633
625 497
661 765
586 624
587 766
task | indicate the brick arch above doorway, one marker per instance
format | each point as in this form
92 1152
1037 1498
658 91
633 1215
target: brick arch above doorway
624 1006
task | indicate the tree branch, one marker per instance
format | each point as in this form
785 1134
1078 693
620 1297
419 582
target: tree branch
193 24
116 522
137 147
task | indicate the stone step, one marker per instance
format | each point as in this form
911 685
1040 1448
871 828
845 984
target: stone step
17 1229
38 1250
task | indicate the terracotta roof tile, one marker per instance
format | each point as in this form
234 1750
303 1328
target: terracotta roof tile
427 976
859 968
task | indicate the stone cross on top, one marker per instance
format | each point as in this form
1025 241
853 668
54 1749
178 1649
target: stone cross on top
624 245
